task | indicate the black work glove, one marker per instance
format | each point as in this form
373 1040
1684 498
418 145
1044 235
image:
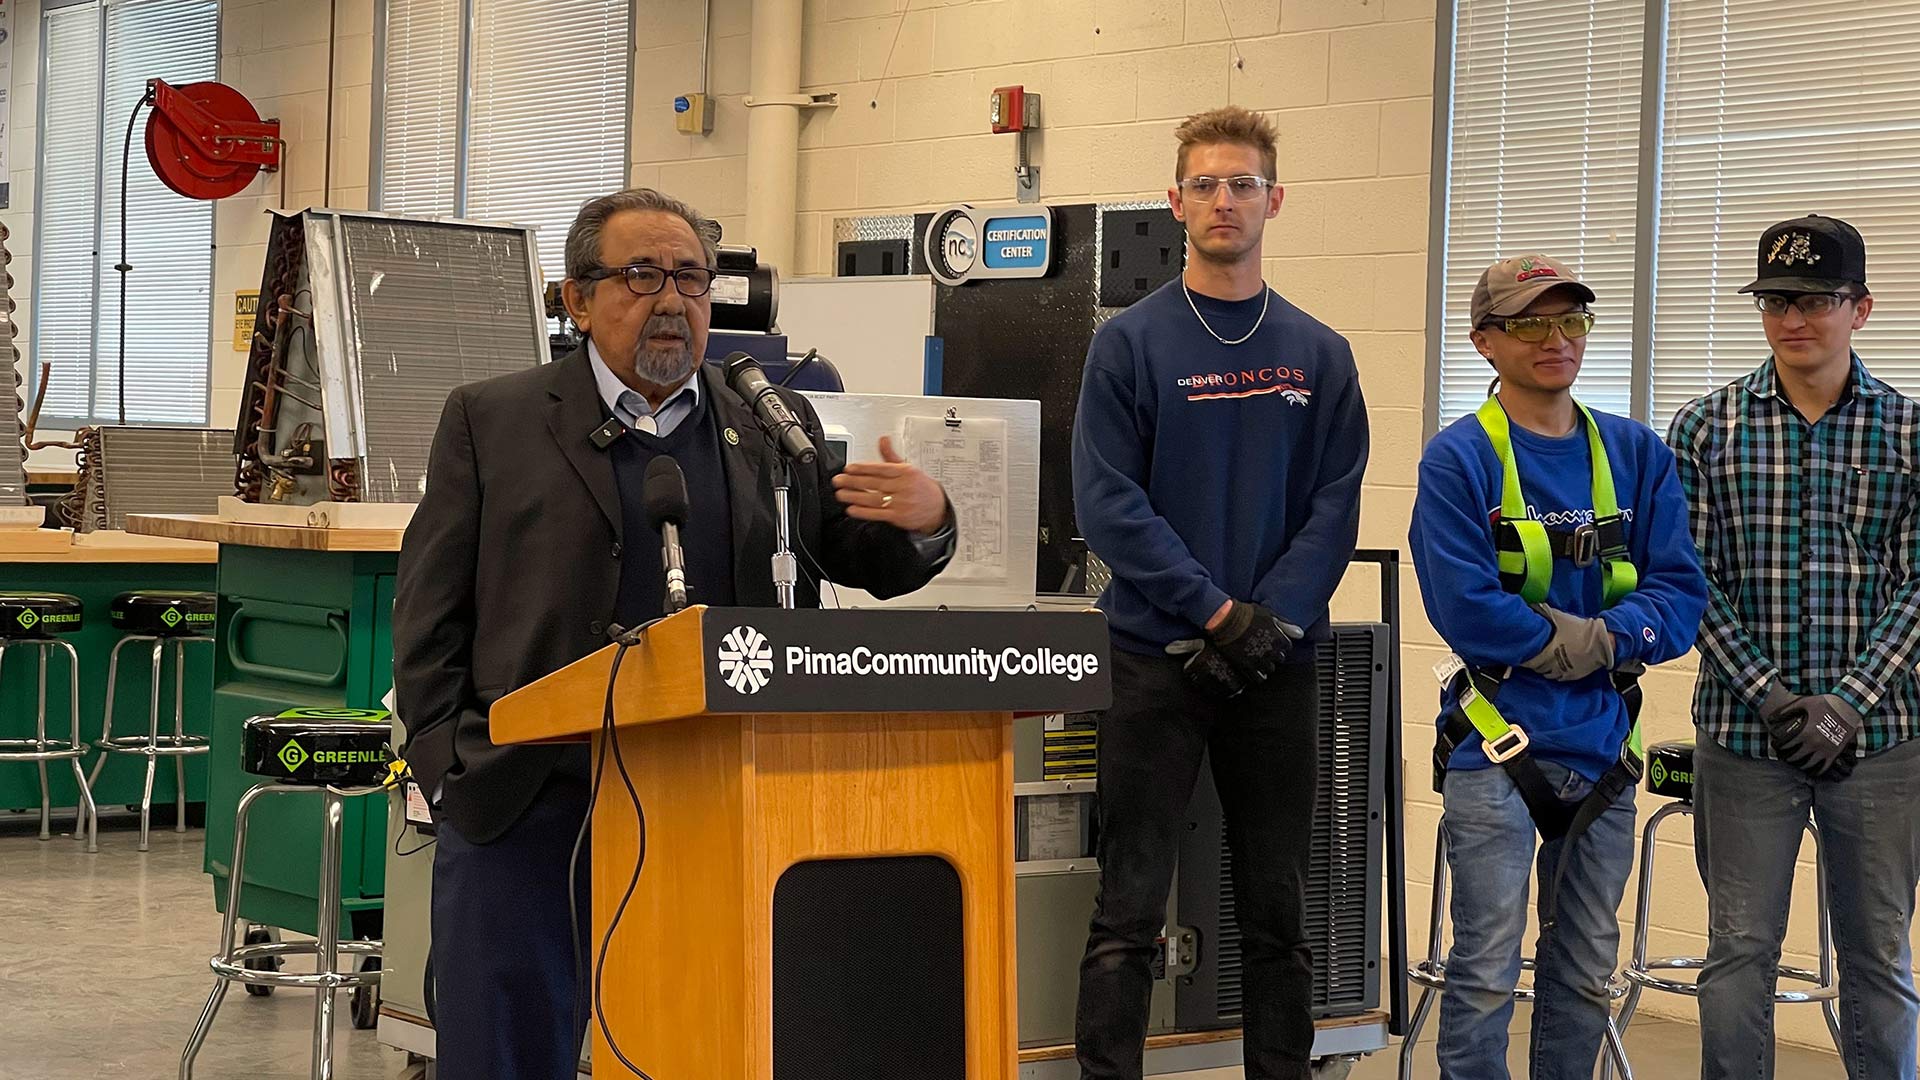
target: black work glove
1207 668
1254 640
1815 734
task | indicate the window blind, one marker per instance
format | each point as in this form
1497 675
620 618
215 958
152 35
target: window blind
109 51
530 61
419 107
1774 109
1545 158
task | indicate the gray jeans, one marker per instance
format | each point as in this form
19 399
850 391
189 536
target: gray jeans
1749 815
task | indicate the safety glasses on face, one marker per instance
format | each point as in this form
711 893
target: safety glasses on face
1810 304
1243 188
644 280
1534 329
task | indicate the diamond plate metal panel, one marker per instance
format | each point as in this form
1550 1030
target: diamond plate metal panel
1102 314
878 227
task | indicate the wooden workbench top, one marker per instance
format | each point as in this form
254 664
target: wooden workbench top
208 528
108 546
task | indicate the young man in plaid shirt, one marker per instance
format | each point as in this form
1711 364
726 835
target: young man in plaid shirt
1800 479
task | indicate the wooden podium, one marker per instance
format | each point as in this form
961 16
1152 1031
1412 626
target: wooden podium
827 833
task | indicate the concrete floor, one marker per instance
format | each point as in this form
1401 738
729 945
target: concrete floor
103 965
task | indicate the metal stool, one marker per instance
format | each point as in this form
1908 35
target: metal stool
32 620
1670 773
170 620
340 753
1431 974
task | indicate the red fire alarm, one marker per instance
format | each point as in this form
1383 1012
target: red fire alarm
1013 109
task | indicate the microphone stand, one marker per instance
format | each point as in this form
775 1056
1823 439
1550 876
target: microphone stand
786 569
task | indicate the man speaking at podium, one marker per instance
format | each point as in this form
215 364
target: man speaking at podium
532 541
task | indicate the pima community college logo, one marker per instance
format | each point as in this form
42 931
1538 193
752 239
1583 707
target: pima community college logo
746 660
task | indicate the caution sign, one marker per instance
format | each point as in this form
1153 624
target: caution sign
246 305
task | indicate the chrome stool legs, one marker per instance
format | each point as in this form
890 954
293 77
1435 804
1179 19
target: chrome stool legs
40 749
153 745
1641 972
1431 975
230 964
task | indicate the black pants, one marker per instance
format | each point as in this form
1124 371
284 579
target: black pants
505 979
1264 755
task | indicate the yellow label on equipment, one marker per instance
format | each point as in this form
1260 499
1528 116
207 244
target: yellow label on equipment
246 304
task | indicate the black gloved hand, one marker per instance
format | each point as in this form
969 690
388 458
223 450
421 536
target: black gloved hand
1208 669
1254 640
1816 734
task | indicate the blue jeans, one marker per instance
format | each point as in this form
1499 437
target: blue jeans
1748 817
1490 855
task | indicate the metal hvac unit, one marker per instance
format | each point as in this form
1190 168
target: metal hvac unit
13 472
1344 874
366 323
151 470
1200 976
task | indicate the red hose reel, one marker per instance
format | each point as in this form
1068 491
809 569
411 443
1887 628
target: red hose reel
205 141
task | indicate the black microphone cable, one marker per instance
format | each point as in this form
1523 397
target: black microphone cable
624 640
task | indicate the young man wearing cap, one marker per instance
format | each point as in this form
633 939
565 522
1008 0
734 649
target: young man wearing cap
1217 457
1801 480
1552 550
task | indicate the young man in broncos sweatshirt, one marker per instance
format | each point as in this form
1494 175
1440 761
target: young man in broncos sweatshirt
1217 458
1554 559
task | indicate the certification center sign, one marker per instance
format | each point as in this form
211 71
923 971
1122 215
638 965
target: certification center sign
965 243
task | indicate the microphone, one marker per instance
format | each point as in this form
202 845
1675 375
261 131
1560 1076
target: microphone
607 434
664 495
746 379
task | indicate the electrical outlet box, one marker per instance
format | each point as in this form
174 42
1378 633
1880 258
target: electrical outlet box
1140 250
693 114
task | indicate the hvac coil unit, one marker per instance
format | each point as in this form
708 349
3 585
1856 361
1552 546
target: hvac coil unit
151 470
366 323
1344 875
13 472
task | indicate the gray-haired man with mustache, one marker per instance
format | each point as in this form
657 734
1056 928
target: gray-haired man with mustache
531 541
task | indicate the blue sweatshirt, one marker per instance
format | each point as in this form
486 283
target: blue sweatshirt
1204 471
1577 724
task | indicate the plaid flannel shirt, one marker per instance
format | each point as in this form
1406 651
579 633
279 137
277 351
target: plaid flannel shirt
1810 538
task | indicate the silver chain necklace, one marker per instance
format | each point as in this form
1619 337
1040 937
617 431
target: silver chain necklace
1266 297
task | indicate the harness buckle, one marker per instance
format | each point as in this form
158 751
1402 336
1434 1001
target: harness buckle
1513 743
1585 545
1632 763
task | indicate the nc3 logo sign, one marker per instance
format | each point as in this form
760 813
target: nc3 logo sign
746 660
967 244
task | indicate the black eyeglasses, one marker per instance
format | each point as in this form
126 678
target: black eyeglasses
1810 304
645 280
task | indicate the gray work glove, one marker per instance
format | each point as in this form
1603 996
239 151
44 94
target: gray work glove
1254 640
1208 669
1815 734
1578 648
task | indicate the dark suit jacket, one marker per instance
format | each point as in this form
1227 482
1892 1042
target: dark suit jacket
510 567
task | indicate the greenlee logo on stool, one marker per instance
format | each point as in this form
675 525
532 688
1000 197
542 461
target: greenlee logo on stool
368 715
1659 773
292 755
171 617
27 618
